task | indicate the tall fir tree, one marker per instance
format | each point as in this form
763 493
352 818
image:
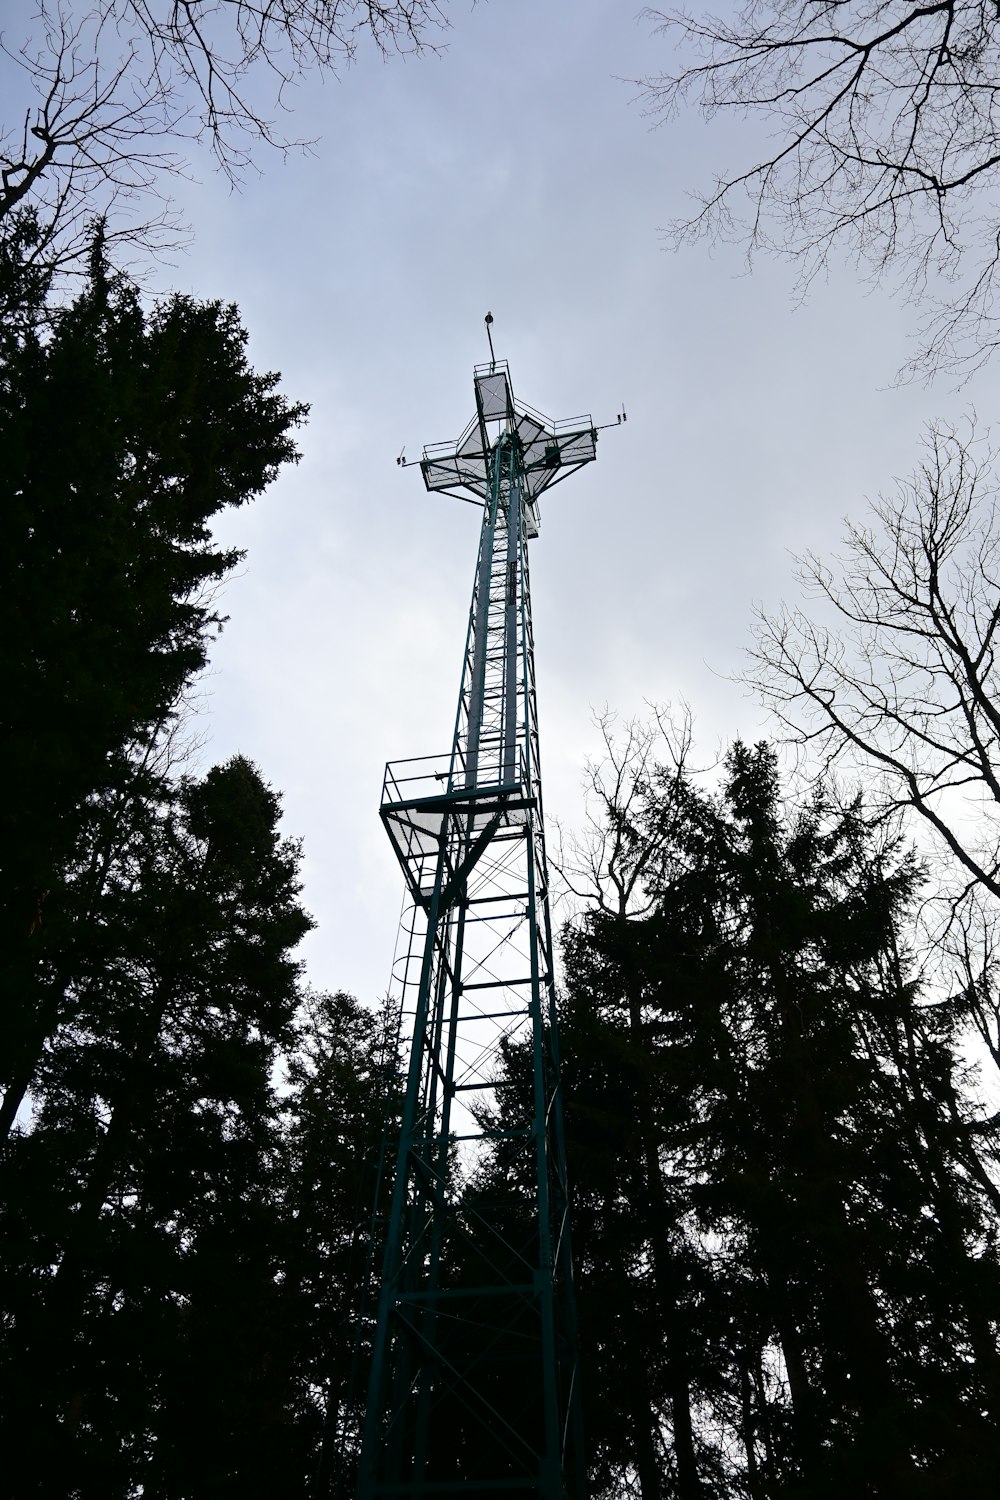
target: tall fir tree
124 433
785 1228
143 1211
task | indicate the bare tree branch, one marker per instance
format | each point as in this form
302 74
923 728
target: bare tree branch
903 686
886 121
118 90
608 864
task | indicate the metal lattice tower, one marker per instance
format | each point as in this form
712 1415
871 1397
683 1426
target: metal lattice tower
474 1384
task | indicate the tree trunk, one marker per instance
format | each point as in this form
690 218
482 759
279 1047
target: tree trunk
748 1433
851 1317
647 1464
664 1267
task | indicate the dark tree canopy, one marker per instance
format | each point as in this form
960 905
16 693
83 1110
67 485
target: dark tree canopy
177 1235
124 432
785 1233
884 145
189 1138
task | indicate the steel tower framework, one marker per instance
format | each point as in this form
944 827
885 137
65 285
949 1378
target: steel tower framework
474 1382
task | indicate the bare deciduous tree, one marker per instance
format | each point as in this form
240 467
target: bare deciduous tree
112 91
607 865
885 119
903 685
970 949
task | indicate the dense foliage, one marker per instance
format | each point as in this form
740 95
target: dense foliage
123 434
785 1207
785 1222
187 1131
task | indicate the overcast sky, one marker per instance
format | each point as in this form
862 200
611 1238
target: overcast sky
514 172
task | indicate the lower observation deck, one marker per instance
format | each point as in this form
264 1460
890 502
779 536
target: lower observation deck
432 807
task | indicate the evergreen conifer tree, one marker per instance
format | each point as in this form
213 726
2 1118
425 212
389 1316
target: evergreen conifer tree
123 432
785 1229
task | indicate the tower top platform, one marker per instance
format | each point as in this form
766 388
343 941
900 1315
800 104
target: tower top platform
548 451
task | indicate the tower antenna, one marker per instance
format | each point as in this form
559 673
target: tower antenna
488 320
474 1356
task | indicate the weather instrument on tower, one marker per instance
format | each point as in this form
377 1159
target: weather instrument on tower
474 1377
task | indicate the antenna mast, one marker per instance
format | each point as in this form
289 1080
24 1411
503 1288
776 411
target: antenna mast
474 1380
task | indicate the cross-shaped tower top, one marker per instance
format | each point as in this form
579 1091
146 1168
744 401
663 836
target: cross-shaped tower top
548 451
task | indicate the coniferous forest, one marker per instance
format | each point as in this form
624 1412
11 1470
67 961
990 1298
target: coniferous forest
779 1006
785 1208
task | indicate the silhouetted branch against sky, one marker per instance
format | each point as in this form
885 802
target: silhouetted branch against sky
114 92
606 864
884 129
902 684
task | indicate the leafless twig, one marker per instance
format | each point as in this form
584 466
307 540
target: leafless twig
885 119
115 92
